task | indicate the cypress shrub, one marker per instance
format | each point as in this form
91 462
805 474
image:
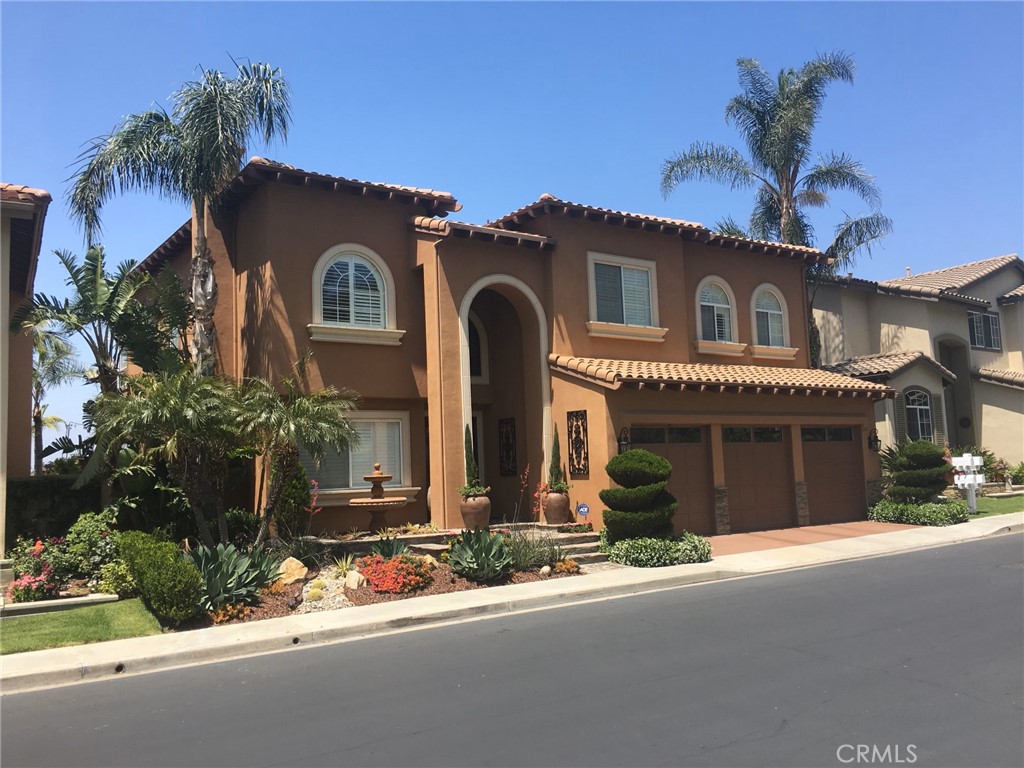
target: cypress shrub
292 514
167 580
642 507
918 473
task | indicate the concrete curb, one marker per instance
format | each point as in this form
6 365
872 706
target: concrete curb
60 666
10 610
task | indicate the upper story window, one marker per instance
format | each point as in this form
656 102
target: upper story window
768 318
354 298
984 330
918 404
715 313
623 292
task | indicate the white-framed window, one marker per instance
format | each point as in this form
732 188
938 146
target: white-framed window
353 297
918 405
984 330
769 319
715 304
383 439
623 291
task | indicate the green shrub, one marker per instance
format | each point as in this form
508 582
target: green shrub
657 553
92 540
231 576
655 523
937 513
632 499
46 505
1017 474
292 515
243 526
916 471
116 579
638 467
167 579
32 558
556 474
388 547
480 555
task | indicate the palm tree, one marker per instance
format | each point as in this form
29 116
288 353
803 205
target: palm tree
776 119
190 155
102 312
55 365
280 422
189 421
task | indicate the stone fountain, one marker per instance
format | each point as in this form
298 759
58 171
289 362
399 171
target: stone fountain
378 504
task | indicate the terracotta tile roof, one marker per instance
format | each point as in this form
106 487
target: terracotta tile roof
753 379
1000 376
260 169
18 193
954 279
688 230
885 366
181 236
1013 297
912 291
447 228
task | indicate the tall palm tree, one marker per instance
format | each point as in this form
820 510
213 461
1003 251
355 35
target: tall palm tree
102 311
55 364
190 154
189 421
776 119
278 422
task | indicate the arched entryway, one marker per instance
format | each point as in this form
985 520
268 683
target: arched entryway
506 390
953 354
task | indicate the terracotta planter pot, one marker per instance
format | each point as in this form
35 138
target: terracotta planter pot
476 512
556 508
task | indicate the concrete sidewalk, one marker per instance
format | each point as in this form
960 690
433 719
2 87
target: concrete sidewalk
59 666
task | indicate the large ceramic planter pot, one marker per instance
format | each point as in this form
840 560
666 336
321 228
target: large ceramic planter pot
476 512
556 508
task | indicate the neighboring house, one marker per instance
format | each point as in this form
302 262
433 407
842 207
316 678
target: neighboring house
950 342
614 327
22 211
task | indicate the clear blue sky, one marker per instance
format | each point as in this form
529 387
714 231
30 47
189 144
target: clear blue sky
500 102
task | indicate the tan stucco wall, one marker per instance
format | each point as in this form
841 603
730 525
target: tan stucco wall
1001 416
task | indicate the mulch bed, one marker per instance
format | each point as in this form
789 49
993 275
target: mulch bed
270 606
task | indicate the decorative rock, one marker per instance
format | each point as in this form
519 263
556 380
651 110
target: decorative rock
545 571
354 580
430 560
292 570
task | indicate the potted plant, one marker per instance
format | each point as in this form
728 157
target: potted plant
556 498
475 506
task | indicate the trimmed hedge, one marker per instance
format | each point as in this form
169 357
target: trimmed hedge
638 467
938 513
632 499
657 553
642 507
919 474
167 579
655 523
46 505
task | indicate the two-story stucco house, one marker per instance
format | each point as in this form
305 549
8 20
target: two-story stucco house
949 341
614 327
22 213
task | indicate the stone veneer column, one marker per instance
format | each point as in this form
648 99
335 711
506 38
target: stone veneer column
803 509
874 491
722 523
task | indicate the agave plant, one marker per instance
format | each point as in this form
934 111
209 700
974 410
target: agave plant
480 555
232 576
389 547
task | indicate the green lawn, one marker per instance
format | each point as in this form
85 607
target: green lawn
92 624
989 506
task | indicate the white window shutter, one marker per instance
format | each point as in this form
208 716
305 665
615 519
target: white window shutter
938 421
900 417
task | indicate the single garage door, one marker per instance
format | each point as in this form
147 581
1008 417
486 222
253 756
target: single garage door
689 452
834 470
759 475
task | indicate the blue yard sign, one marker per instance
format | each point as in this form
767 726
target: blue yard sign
582 509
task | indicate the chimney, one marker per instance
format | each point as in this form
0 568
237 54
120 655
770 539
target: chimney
908 270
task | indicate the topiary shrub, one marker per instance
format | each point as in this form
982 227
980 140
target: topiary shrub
642 507
918 472
167 579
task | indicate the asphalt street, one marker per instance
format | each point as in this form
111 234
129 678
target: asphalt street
912 659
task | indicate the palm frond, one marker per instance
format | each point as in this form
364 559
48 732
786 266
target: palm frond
842 172
707 162
811 198
730 228
854 236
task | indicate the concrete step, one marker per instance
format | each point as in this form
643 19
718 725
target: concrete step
589 558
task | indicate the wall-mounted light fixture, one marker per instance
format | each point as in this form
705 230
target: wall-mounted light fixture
874 441
624 444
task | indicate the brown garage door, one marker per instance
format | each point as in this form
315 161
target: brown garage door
688 450
759 475
835 474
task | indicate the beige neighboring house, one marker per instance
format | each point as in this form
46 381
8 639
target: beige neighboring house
22 211
948 341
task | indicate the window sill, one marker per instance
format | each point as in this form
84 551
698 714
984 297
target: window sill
774 353
344 334
628 332
340 497
725 348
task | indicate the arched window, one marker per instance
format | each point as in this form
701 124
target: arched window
769 317
715 314
352 293
918 405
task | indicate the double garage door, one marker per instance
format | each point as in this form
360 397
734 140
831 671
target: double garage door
759 475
